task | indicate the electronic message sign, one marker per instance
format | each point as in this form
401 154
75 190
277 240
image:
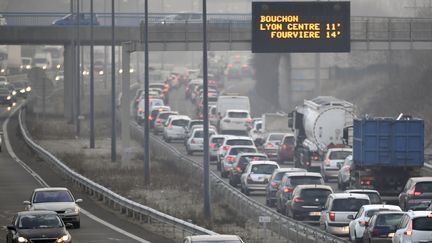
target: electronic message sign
300 27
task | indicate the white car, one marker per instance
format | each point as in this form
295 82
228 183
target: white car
333 161
358 224
415 226
215 142
195 141
58 199
231 157
231 141
271 144
235 120
257 175
141 111
175 127
161 119
213 117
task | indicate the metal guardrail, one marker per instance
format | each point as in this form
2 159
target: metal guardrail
290 229
362 28
125 205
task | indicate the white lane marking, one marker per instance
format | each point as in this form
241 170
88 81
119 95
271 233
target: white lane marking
43 183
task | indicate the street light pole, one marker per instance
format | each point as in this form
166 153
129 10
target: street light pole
113 87
146 100
78 83
92 133
207 212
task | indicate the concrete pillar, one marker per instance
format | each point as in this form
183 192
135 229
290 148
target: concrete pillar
68 61
125 104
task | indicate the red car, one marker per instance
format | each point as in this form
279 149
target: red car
286 148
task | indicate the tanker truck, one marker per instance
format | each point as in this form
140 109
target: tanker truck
386 153
318 125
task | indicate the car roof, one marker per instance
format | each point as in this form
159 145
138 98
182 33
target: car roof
291 170
378 206
293 174
415 214
239 137
362 190
51 189
36 212
342 195
389 212
300 187
173 117
339 149
242 146
237 110
258 162
421 179
251 154
215 238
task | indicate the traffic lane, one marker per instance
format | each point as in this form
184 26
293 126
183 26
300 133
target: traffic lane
90 231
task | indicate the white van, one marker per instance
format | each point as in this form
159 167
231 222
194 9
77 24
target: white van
225 103
42 60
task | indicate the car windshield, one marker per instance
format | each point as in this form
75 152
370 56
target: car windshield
52 196
371 212
315 193
235 151
389 219
239 142
422 223
265 169
237 114
164 116
339 154
199 134
39 221
217 141
180 122
275 137
348 204
374 198
288 140
423 187
305 180
278 176
193 123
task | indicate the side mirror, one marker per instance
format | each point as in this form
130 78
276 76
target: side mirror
366 224
79 200
339 166
11 227
350 217
69 225
27 203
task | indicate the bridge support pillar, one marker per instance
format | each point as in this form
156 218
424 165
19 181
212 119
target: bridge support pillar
125 103
69 77
285 83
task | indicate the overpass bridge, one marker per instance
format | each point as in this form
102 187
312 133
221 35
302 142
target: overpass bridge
225 32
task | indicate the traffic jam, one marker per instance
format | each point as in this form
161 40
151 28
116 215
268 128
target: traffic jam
351 176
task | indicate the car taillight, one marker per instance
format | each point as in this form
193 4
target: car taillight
413 193
308 163
287 189
229 65
249 120
332 216
285 146
327 162
158 120
150 118
269 145
314 157
230 158
273 184
245 66
362 222
212 145
409 231
170 126
238 168
226 147
346 168
298 199
366 182
165 90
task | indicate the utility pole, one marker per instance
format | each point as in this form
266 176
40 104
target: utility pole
92 132
146 100
113 87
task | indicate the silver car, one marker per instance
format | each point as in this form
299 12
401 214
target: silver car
333 160
58 199
175 127
339 210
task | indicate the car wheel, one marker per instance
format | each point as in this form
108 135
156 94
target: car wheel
218 165
231 182
167 140
77 225
189 152
246 191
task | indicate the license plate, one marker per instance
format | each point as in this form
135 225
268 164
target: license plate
315 214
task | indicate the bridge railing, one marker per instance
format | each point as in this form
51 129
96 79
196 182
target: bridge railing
175 226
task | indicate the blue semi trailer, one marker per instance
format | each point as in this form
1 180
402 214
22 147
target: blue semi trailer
386 152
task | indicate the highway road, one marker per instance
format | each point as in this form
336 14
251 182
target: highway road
16 185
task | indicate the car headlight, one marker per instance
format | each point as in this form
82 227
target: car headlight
9 97
22 91
28 66
28 89
58 66
131 70
57 78
101 72
44 67
64 238
22 239
73 210
9 108
14 92
121 71
2 70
